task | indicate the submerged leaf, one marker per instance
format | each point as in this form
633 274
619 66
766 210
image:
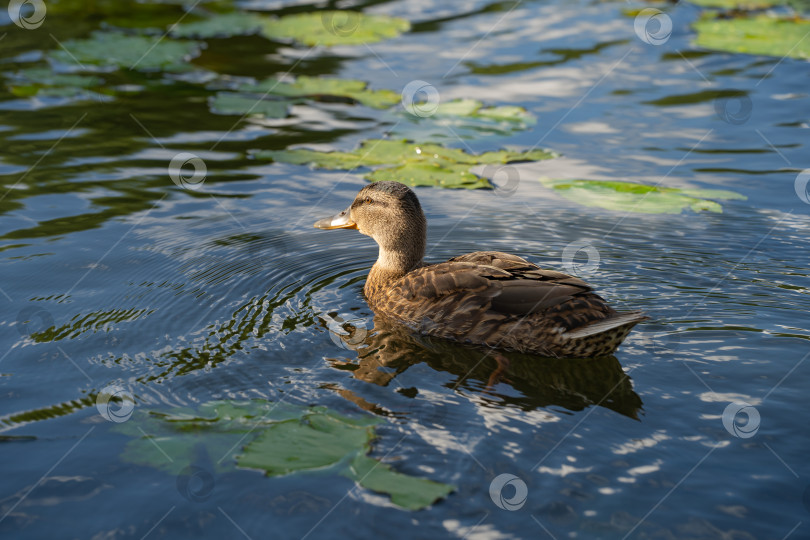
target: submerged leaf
763 34
406 491
640 198
334 28
275 438
117 50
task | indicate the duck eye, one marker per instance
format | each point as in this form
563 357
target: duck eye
367 201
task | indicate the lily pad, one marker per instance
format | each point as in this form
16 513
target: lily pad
330 28
279 440
220 25
475 109
738 4
110 50
431 174
45 82
415 164
316 87
764 34
639 198
238 104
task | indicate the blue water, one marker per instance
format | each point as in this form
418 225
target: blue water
113 275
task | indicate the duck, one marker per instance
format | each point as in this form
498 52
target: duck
485 298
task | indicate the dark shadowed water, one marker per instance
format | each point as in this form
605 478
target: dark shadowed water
113 275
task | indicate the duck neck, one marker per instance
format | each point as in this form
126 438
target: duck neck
391 265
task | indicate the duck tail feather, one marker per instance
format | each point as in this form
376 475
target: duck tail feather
630 319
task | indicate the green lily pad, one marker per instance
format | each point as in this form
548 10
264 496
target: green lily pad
640 198
220 25
415 164
238 104
738 4
431 174
316 87
330 28
763 35
277 439
475 109
45 82
116 50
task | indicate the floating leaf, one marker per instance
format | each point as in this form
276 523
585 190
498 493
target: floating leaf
763 34
220 25
275 438
304 156
334 28
431 174
230 103
632 197
305 86
738 4
416 164
45 82
117 50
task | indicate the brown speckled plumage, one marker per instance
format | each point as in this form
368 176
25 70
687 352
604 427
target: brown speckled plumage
486 298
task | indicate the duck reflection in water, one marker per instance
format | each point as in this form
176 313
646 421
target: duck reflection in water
389 349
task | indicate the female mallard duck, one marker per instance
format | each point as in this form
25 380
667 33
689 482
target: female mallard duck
486 298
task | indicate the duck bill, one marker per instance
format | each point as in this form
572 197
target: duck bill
342 220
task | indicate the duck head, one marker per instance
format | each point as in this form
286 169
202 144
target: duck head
390 213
